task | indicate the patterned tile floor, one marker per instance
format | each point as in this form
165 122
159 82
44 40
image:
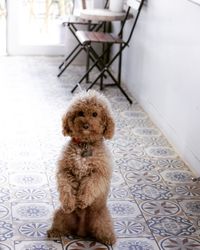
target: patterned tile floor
153 201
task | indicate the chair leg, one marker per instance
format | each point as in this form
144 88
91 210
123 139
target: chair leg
120 65
97 78
72 59
115 81
90 54
67 58
101 60
90 69
119 86
69 62
101 83
88 62
84 76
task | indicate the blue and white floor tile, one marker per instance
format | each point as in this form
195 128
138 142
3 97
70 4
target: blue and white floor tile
151 192
187 191
170 226
31 211
37 245
34 194
177 176
31 229
5 212
177 243
131 227
159 208
191 207
171 164
153 201
136 243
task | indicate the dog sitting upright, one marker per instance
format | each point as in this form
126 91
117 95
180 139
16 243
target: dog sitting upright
84 170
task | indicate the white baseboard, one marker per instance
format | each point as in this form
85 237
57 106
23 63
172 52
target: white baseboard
186 154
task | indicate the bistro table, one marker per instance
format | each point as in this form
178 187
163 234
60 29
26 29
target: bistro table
103 15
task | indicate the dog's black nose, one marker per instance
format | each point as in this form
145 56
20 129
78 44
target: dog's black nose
85 126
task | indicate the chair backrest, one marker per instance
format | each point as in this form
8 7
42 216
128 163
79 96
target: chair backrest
137 6
106 6
134 4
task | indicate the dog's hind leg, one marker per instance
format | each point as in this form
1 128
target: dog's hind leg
101 226
82 223
63 224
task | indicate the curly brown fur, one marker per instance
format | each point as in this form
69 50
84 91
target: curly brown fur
84 170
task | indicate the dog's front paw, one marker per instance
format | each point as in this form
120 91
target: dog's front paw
68 205
83 202
82 205
67 209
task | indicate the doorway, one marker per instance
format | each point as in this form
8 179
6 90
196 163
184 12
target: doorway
34 27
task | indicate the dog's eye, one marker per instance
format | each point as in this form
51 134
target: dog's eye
94 114
80 113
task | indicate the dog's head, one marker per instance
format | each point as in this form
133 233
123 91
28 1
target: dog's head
89 117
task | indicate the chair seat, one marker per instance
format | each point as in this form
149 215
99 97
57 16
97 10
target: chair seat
97 37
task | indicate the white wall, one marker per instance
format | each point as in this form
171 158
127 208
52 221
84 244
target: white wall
162 70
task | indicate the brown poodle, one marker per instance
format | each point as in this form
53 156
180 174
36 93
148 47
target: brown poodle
84 170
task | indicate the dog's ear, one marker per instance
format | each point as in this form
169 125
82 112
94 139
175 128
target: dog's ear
109 126
65 125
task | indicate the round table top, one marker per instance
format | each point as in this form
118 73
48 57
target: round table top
102 15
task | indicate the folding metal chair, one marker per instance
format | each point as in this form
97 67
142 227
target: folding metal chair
72 25
87 38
